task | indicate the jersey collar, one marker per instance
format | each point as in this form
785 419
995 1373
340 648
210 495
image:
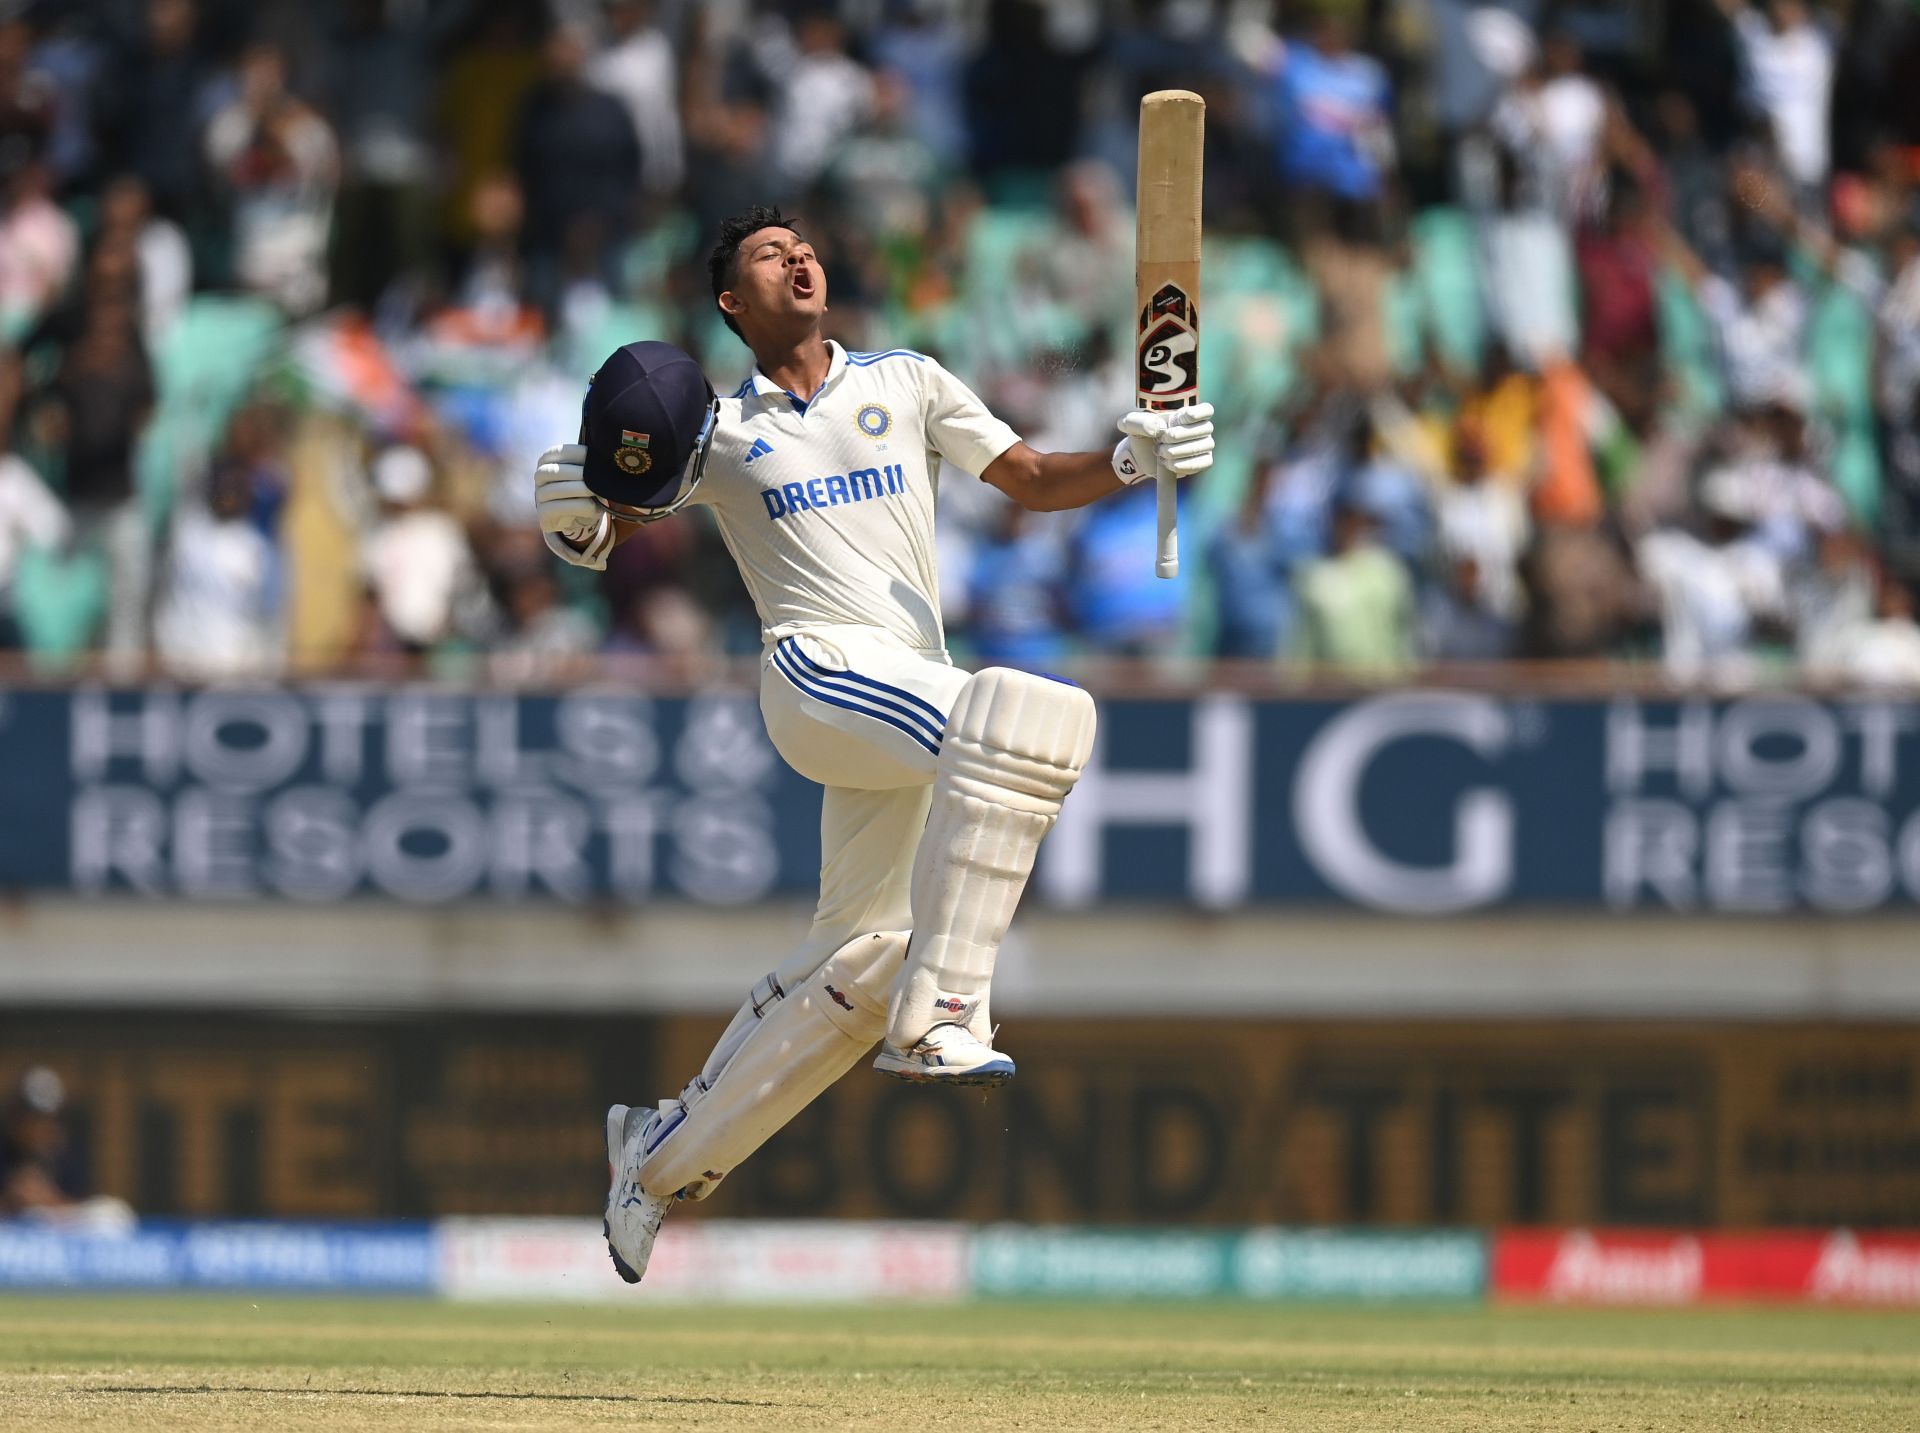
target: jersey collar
765 387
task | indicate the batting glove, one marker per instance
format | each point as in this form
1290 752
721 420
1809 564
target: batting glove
576 527
1174 441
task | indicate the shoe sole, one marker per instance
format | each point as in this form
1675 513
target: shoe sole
984 1077
616 1131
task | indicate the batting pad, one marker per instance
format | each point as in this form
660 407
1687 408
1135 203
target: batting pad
799 1042
1014 746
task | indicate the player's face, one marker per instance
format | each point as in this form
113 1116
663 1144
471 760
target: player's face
780 282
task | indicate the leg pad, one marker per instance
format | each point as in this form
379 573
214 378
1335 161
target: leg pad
1015 744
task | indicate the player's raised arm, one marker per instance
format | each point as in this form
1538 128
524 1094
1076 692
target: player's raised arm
1177 442
645 429
960 428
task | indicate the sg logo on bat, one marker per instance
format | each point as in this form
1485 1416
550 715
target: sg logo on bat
1169 350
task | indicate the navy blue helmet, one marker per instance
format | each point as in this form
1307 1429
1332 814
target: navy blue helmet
646 423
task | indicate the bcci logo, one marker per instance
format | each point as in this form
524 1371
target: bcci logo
874 420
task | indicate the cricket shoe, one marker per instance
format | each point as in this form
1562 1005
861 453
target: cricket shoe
946 1055
633 1216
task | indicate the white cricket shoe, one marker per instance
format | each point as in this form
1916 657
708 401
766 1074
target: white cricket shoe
946 1055
633 1216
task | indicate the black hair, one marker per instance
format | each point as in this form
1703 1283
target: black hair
722 259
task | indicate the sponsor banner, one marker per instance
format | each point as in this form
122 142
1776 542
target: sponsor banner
711 1261
1409 802
197 1115
1123 1122
379 1258
1637 1267
1353 1264
1274 1264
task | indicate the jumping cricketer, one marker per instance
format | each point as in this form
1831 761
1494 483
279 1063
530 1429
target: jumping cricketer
939 783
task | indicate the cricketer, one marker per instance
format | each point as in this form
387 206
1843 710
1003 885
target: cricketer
939 783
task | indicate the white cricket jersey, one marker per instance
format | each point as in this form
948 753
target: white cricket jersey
827 505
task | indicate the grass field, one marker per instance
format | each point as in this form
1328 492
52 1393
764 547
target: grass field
87 1362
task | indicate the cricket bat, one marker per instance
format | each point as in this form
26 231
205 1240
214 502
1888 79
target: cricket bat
1166 277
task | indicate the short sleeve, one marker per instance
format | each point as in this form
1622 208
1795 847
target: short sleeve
959 427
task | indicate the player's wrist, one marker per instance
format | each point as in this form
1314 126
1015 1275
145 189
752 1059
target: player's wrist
588 550
1130 465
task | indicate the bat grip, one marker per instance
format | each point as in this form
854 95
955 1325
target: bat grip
1166 561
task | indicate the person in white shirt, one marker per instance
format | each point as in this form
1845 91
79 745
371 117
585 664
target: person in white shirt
419 566
637 67
30 517
820 470
1788 61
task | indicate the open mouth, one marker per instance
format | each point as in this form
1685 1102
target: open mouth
802 286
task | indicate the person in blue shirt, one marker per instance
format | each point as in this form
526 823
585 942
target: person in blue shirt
1335 158
1112 608
1335 123
1014 595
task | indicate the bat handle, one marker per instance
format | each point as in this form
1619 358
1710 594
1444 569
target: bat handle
1166 561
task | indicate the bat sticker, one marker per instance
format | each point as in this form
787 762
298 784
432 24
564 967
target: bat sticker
1168 352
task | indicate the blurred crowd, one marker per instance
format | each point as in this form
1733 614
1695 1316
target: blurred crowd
1536 330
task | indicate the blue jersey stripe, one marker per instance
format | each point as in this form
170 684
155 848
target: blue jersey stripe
937 719
805 688
745 390
815 678
863 360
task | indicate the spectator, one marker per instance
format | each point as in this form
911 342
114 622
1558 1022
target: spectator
1250 583
1582 596
1759 325
1557 117
637 66
1619 265
100 400
419 566
541 631
1483 521
578 161
1788 64
483 84
1085 257
39 244
38 1168
153 102
1526 262
219 610
277 165
1016 594
379 96
1885 653
1357 603
1335 157
1715 590
41 1176
1696 181
1831 601
662 622
1112 606
160 248
884 172
924 43
823 96
31 517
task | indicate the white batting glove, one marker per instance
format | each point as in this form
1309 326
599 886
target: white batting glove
1175 441
576 527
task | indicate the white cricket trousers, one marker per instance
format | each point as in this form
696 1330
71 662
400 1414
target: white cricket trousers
862 713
